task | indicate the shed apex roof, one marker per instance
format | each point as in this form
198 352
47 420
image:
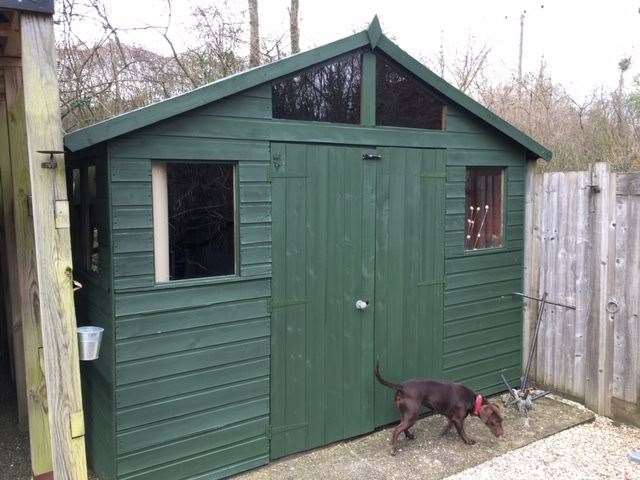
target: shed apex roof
372 37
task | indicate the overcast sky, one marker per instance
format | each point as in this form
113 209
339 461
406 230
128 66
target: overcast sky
580 41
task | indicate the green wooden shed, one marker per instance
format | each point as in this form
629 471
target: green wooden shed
254 246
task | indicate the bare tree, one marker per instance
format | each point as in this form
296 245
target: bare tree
623 66
441 58
467 68
294 26
176 57
101 74
254 29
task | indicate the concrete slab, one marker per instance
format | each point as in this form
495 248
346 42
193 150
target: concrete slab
427 457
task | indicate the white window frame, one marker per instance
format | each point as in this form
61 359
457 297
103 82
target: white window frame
160 220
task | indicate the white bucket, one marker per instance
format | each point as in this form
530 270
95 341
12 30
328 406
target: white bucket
89 339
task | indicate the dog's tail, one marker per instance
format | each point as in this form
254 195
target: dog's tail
384 382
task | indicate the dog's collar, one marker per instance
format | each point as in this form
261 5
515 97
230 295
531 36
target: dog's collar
478 405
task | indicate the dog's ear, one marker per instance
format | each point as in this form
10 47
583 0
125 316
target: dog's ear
485 412
489 409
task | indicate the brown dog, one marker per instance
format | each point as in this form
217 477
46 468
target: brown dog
453 400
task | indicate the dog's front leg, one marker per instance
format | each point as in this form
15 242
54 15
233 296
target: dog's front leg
446 428
459 424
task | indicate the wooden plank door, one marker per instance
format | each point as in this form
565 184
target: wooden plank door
323 215
409 268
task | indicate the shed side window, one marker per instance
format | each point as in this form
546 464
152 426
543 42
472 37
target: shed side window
194 219
93 225
484 190
324 93
402 100
75 211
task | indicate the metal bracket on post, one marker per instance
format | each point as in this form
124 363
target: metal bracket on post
51 163
594 181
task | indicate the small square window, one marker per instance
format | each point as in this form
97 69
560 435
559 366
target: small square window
484 208
194 220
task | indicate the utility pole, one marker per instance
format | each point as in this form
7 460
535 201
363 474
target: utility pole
294 26
254 33
521 46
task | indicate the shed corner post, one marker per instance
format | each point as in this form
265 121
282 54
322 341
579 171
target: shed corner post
531 262
53 247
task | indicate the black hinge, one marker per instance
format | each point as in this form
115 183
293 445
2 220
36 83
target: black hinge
370 156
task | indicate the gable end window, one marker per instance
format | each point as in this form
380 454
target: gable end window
402 100
194 219
325 93
484 218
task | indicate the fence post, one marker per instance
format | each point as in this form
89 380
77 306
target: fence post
599 341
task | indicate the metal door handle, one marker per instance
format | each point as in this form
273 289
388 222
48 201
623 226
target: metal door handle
362 304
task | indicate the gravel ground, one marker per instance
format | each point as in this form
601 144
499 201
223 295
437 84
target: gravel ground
595 450
14 444
429 456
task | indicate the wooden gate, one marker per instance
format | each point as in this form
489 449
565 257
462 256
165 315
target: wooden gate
349 227
584 249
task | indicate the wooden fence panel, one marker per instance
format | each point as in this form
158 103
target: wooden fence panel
624 302
583 249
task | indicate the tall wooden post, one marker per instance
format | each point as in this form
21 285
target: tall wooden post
28 311
9 58
53 247
599 335
8 260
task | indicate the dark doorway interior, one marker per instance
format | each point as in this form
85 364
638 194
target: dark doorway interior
14 444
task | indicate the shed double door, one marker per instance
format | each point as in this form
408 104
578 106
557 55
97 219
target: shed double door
349 227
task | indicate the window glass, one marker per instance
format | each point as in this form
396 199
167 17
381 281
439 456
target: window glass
484 208
75 212
93 226
325 93
402 100
201 219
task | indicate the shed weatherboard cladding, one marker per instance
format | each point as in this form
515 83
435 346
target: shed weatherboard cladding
94 306
482 321
191 359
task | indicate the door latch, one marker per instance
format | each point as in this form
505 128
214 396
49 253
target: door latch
370 156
